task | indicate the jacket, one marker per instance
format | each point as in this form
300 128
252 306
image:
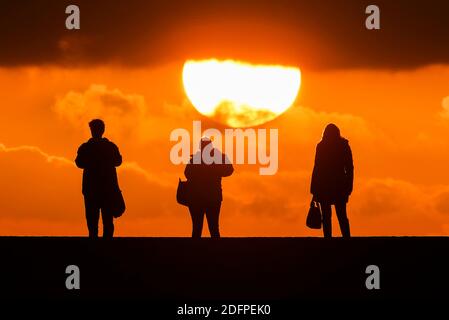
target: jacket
99 159
205 180
333 172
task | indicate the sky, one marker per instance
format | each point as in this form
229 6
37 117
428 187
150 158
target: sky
387 90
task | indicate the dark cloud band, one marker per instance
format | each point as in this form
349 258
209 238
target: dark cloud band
315 35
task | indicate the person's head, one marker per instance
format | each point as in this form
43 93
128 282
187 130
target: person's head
204 142
96 128
331 132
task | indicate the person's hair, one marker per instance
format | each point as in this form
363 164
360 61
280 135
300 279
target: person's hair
97 127
331 132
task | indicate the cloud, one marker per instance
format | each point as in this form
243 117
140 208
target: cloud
310 123
160 179
380 197
445 104
272 196
39 191
33 149
123 113
378 206
398 207
442 202
128 117
36 185
302 33
301 128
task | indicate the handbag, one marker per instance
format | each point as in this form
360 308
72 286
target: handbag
182 193
116 204
314 219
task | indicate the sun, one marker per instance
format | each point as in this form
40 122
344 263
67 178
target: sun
240 94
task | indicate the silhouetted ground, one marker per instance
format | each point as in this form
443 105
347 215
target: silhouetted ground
227 269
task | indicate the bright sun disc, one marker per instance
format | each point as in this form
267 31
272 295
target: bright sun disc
240 94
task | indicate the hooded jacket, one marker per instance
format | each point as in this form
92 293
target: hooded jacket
333 172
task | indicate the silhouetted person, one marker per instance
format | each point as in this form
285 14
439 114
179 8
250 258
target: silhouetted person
332 178
98 157
205 190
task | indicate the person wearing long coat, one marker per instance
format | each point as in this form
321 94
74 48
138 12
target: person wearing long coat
332 178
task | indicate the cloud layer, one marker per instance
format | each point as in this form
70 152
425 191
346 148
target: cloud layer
122 112
398 141
47 189
308 34
445 105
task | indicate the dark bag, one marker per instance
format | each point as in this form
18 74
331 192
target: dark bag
183 194
313 220
116 204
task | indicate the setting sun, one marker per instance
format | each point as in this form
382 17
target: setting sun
240 94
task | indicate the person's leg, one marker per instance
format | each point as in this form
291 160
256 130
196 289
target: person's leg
108 224
197 215
326 211
343 220
212 215
92 216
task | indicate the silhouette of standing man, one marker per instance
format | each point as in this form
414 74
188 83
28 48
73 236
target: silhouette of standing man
332 178
98 157
205 188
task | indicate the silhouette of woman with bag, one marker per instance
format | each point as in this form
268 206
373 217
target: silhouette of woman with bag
204 188
332 178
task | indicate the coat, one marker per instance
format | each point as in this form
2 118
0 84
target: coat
333 172
205 180
99 159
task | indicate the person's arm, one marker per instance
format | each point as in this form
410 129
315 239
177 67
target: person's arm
226 168
81 157
117 157
349 168
314 182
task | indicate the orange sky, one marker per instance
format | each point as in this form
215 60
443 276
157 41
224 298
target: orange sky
395 121
387 90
